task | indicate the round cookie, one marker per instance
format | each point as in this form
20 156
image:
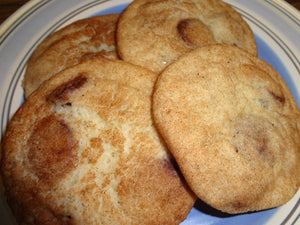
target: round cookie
152 34
83 150
79 41
233 127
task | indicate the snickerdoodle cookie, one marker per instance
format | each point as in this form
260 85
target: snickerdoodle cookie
84 39
83 150
152 34
233 127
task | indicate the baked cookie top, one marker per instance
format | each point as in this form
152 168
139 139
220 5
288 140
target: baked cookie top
83 150
152 34
79 41
233 127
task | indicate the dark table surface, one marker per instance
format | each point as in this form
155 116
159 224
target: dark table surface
8 7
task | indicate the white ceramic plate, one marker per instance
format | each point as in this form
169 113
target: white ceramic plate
277 30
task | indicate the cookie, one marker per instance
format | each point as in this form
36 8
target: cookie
152 34
82 40
83 150
233 127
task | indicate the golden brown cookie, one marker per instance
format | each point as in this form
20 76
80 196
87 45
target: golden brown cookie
83 150
84 39
233 127
152 34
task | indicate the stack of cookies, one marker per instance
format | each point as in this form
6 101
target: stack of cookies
130 118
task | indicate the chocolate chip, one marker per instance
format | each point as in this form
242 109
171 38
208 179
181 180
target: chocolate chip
278 98
62 92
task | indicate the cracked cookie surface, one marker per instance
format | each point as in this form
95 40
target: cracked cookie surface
83 150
